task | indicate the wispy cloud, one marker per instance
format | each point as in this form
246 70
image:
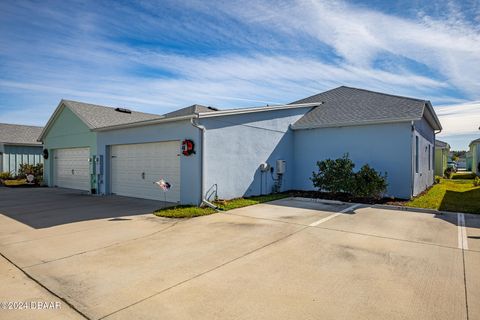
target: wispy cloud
156 56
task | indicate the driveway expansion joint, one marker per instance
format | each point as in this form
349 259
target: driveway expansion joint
45 287
206 272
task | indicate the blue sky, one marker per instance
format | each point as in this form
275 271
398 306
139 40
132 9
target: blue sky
157 56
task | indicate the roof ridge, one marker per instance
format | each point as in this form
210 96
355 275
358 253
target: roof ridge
382 93
20 125
109 107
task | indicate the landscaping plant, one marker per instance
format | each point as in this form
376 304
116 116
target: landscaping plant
476 182
448 173
337 176
334 175
5 176
368 183
35 170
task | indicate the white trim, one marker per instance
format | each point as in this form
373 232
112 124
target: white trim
257 109
145 123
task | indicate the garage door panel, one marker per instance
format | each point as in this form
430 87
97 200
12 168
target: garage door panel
156 160
72 168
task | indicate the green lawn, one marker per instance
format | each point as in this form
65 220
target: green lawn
450 195
193 211
464 175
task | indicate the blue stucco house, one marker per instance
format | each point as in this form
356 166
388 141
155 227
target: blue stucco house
19 145
203 151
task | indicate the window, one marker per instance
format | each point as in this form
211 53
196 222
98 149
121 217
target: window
429 160
416 154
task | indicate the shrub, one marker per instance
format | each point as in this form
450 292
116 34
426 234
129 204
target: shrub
334 175
448 173
476 182
5 176
35 170
437 179
368 183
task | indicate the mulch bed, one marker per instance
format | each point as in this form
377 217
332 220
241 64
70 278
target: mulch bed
344 197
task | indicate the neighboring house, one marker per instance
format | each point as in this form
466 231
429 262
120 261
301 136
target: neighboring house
19 145
442 150
248 151
475 152
468 160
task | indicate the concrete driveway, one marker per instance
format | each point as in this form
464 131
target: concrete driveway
287 259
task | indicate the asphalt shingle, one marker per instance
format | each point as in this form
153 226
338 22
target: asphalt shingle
345 106
193 109
19 134
96 116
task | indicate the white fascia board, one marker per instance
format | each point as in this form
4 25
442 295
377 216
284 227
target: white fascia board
350 124
256 109
146 123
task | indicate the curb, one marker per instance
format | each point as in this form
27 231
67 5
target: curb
415 209
327 201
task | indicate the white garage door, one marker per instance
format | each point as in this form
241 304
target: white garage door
72 168
136 167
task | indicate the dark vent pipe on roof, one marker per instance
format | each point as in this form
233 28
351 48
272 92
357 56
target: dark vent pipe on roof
123 110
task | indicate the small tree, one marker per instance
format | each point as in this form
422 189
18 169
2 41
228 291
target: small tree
369 183
334 175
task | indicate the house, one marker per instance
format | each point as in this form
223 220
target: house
442 150
70 140
19 145
475 154
468 161
204 152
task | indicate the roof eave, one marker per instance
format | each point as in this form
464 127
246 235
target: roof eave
429 106
256 109
145 123
350 124
21 144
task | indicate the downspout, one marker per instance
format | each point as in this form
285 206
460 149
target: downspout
202 129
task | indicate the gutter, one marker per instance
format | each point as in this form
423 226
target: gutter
145 123
202 129
257 109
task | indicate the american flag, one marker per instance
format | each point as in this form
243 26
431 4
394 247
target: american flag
164 185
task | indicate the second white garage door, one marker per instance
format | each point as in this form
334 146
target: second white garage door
136 167
72 168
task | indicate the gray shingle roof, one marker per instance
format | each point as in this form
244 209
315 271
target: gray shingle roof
441 144
193 109
19 134
345 106
96 116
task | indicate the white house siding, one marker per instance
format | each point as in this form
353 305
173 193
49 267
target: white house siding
424 176
385 147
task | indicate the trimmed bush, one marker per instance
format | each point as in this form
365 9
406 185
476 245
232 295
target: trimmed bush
35 170
5 176
476 182
368 183
334 175
337 176
448 173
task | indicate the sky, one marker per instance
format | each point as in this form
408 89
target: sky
158 56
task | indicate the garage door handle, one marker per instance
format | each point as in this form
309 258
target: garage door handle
73 171
143 175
